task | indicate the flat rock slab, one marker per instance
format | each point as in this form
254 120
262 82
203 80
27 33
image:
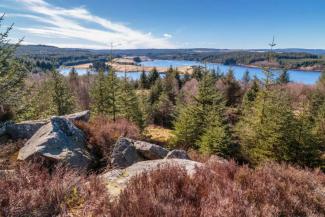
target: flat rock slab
116 180
24 130
150 151
178 154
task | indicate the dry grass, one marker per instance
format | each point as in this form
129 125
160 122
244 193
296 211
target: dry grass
158 135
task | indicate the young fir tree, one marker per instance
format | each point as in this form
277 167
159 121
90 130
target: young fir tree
232 89
195 120
100 97
143 80
284 77
12 72
251 94
246 78
128 104
266 130
61 95
153 77
113 93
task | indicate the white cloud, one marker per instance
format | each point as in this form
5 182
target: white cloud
166 35
57 22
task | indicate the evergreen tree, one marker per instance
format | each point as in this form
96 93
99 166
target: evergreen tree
266 130
216 137
194 120
12 72
113 93
61 95
246 78
100 96
284 77
128 104
251 94
143 80
231 89
153 76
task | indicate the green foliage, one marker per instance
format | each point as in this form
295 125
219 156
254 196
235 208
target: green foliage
216 137
199 125
61 95
284 77
153 76
144 83
12 71
100 94
128 104
251 94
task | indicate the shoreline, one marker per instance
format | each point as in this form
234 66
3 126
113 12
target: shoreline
181 69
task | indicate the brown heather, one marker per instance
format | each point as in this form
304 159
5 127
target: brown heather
103 133
219 189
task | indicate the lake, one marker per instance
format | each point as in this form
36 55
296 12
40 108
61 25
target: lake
305 77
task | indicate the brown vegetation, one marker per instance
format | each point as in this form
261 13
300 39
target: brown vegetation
103 133
225 190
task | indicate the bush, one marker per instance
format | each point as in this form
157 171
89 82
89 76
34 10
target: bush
103 133
225 190
32 191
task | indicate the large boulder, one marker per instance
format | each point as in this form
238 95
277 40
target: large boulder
150 151
24 130
59 141
178 154
124 153
79 116
116 180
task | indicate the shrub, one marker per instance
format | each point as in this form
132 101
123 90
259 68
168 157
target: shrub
32 191
224 189
103 133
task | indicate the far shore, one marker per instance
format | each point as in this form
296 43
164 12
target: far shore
181 69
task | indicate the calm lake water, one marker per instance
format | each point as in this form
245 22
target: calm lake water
305 77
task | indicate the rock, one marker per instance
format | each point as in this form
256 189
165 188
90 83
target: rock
59 141
116 180
24 130
124 153
4 127
178 154
80 116
150 151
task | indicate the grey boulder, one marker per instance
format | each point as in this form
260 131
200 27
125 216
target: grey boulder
24 130
150 151
124 153
59 141
178 154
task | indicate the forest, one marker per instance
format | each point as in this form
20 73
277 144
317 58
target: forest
270 132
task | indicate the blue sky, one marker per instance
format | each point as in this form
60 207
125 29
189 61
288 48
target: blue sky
235 24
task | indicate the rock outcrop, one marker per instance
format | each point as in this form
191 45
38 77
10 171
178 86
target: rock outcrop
60 141
79 116
178 154
116 180
150 151
124 153
24 130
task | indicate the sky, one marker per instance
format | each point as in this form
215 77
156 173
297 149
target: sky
126 24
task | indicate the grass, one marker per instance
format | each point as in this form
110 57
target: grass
158 135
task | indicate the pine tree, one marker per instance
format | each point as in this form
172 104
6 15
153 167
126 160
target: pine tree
153 76
194 120
246 78
284 77
100 96
251 94
61 95
266 130
215 138
12 72
128 104
143 80
113 93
